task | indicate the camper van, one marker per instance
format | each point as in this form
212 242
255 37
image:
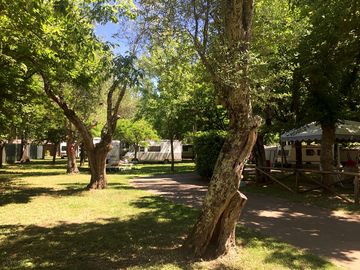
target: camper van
157 152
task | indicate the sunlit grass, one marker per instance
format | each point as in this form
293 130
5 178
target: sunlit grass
48 221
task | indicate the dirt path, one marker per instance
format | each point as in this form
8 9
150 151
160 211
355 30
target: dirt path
332 235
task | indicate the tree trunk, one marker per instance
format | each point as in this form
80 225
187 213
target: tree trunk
214 232
96 154
259 151
172 155
2 145
24 149
136 151
326 155
55 146
97 163
71 152
298 153
82 155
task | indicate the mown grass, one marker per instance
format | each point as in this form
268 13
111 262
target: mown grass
48 221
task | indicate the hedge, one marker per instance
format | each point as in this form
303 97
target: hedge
207 146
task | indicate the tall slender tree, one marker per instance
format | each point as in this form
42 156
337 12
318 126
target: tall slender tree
221 32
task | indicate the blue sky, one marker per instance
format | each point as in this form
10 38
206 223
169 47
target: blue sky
106 33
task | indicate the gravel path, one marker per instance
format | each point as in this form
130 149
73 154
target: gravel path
333 235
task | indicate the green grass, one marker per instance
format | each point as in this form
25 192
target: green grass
48 221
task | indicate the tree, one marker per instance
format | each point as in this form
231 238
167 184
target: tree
136 133
169 87
221 32
329 62
55 39
277 30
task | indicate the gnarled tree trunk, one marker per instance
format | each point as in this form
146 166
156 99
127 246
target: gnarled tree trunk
97 164
326 155
214 232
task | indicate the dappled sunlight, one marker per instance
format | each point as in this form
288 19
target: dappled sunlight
110 243
307 227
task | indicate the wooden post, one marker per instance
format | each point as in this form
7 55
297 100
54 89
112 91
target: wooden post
297 180
356 189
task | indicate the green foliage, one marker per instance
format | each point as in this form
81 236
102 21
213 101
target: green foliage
55 39
136 132
207 146
177 96
329 60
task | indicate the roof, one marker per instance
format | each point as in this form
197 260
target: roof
345 131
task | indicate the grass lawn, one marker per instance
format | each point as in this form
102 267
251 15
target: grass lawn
48 221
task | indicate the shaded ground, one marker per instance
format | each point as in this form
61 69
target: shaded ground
333 235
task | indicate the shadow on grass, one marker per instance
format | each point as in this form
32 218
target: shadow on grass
282 254
22 193
149 239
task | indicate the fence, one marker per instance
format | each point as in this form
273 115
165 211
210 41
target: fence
340 177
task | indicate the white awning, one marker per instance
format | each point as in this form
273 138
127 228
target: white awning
345 131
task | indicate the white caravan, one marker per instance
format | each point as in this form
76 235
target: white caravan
113 157
63 153
158 152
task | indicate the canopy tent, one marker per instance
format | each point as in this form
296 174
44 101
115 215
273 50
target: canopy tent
345 131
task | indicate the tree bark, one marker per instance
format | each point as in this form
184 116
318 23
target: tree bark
71 152
82 155
326 155
259 151
2 145
298 153
214 232
97 164
55 146
24 149
172 154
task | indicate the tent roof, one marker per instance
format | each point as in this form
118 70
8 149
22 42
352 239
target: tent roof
345 131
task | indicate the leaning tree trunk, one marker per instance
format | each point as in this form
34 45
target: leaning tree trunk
214 232
326 155
97 163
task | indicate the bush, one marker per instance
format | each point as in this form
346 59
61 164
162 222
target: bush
207 146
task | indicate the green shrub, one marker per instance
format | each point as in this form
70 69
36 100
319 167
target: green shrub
207 146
